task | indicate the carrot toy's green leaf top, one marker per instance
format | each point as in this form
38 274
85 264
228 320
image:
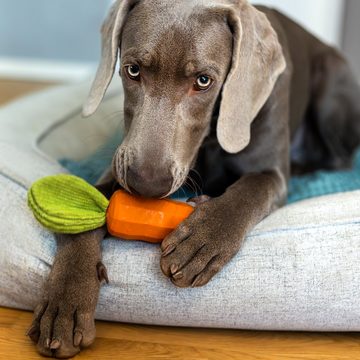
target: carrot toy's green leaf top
67 204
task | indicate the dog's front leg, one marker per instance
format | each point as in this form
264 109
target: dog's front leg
214 233
63 321
64 318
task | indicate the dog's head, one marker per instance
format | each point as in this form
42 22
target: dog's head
178 57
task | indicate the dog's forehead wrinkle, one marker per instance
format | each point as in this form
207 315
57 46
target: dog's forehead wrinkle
177 51
186 6
153 18
179 8
190 67
179 37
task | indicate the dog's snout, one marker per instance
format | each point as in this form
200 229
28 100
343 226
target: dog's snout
148 181
142 173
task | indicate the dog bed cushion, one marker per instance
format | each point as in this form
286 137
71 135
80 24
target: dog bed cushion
298 269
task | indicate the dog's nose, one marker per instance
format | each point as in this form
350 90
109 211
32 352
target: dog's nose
149 182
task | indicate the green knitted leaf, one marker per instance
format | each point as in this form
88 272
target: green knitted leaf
67 204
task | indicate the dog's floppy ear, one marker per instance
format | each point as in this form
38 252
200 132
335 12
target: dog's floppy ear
111 32
257 62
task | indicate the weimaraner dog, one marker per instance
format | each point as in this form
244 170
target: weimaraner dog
239 93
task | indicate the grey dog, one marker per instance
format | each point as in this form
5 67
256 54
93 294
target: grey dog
239 93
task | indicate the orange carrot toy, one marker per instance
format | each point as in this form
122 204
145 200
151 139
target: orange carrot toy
133 218
68 204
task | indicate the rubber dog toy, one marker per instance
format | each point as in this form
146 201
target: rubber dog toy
68 204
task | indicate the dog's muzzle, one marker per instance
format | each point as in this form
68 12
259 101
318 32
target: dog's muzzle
143 177
149 182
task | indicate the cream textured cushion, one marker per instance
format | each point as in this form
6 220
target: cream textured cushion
298 270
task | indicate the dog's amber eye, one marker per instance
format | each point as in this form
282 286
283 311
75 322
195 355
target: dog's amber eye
203 82
133 71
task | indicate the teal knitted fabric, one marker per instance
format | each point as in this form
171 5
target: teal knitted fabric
325 182
300 188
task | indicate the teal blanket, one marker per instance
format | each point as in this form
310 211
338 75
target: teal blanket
300 187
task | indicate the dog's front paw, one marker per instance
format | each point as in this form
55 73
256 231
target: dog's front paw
201 245
63 322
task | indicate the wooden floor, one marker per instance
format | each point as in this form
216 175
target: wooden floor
123 341
11 89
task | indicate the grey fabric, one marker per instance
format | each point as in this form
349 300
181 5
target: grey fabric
298 269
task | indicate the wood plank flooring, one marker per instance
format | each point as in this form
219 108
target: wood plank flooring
125 341
11 89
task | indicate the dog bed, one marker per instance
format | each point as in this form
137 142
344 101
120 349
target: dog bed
298 269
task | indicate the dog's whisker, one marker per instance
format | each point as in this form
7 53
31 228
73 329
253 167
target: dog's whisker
200 186
199 177
194 186
178 180
127 160
174 182
190 185
183 191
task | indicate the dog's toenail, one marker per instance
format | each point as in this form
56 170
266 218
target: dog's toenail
55 344
77 338
168 250
178 275
47 343
31 331
196 282
102 272
174 268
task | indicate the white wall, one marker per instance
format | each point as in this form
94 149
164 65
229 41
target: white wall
49 39
65 30
351 35
322 17
42 39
